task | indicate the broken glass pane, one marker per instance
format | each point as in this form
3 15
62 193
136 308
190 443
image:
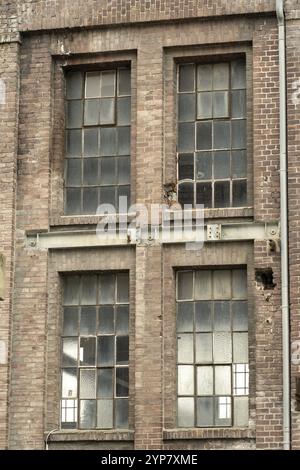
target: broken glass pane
122 413
108 79
92 85
203 348
124 111
204 105
220 104
87 351
204 135
203 165
185 380
74 81
221 165
221 134
223 411
74 113
122 381
240 315
69 383
104 414
70 327
222 348
122 345
205 411
87 414
106 320
106 350
185 413
203 316
186 166
87 383
124 82
239 193
74 143
186 107
90 171
186 137
91 112
187 77
205 380
185 316
185 285
105 383
107 111
88 321
90 200
185 348
222 194
70 353
204 77
204 194
73 177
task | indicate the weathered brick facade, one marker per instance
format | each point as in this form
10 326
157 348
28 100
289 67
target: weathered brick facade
38 40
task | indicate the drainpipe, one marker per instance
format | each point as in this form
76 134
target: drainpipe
284 231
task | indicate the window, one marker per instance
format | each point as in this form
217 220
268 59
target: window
95 351
211 144
212 348
97 166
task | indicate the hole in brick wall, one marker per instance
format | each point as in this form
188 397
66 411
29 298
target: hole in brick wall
265 277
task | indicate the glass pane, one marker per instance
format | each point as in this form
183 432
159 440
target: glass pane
74 144
222 316
108 79
222 380
70 352
89 290
239 193
185 380
187 77
105 383
73 172
185 413
186 107
71 290
203 166
124 82
90 200
90 143
122 287
223 411
241 411
70 327
185 316
239 283
122 381
87 351
204 135
107 288
69 383
221 165
92 85
87 414
123 140
106 320
238 104
186 137
108 170
88 321
203 348
69 414
240 316
123 170
221 76
185 348
204 105
238 134
203 287
74 113
222 194
107 111
74 82
186 194
87 383
122 356
205 380
239 163
238 74
240 347
122 413
106 350
91 112
203 316
240 379
73 201
222 284
122 319
124 192
90 171
205 411
204 194
185 285
108 141
204 77
222 347
124 111
186 166
107 195
220 104
221 134
105 414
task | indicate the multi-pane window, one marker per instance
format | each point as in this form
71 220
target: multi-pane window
97 166
212 348
211 145
95 351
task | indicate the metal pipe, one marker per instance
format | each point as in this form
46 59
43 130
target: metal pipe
284 231
48 436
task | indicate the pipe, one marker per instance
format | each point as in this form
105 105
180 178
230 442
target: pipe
284 231
48 435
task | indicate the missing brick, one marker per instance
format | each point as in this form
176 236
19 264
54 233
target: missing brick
265 278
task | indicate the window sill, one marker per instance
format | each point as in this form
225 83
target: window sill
68 435
69 220
228 212
209 433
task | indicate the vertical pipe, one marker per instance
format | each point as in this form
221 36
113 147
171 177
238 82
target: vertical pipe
284 231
